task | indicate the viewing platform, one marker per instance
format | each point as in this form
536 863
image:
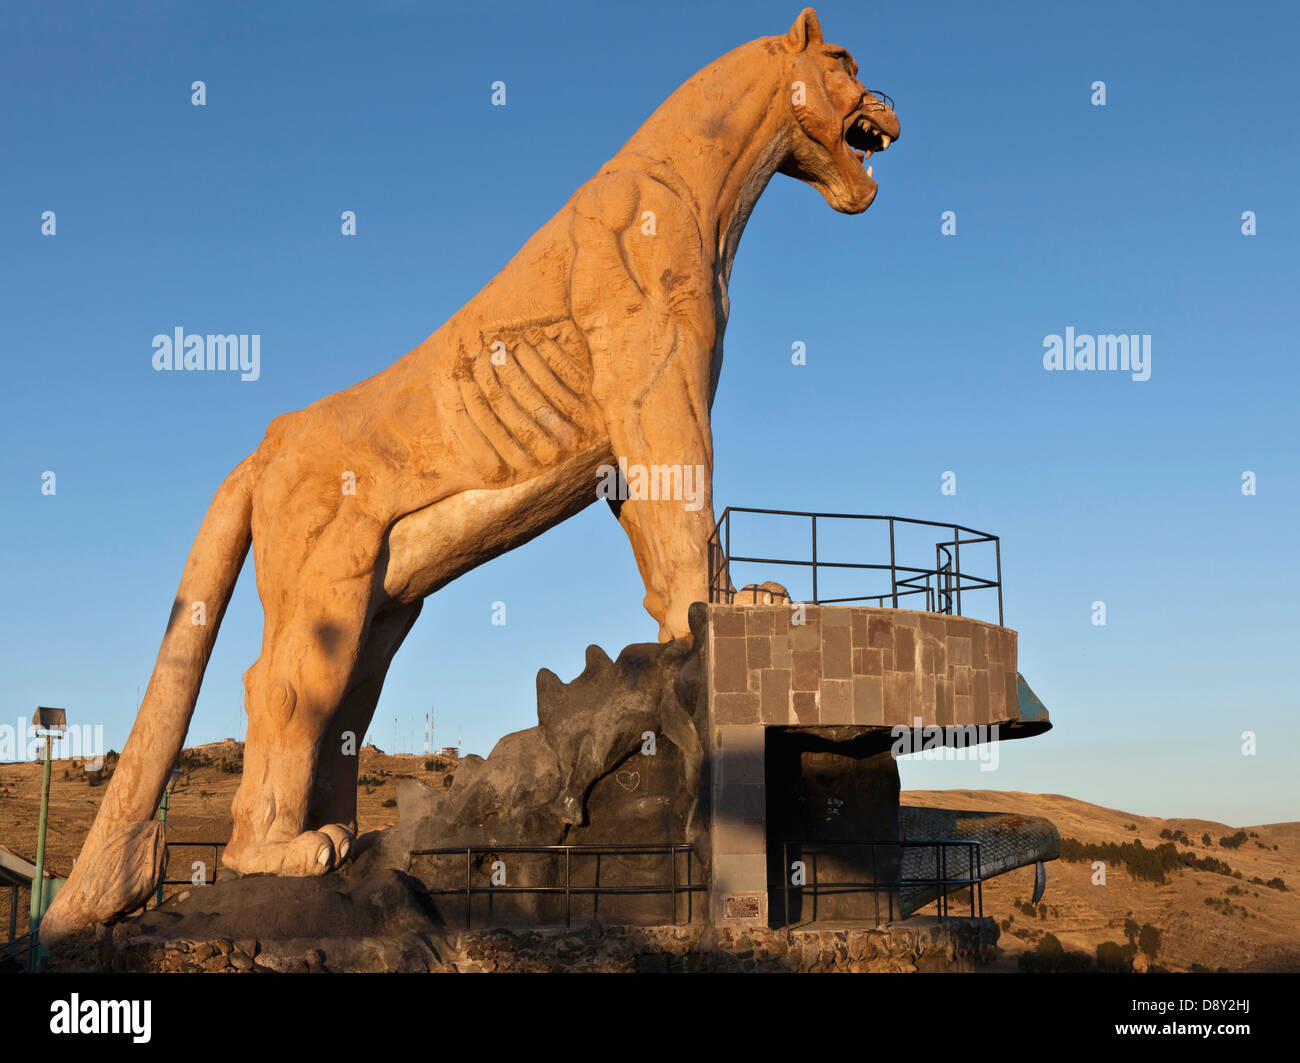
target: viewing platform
816 685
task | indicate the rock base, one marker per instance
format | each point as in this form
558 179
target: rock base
917 945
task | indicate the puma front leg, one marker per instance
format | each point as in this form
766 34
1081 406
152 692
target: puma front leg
668 511
643 296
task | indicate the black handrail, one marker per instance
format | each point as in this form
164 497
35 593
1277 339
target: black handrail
942 596
672 887
216 848
945 883
19 949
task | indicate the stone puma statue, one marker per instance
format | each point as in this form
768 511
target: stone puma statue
599 343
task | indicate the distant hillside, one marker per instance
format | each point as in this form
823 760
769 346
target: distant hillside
1247 926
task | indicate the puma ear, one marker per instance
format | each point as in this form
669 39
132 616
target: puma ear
805 31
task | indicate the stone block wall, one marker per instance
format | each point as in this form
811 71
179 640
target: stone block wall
854 667
850 665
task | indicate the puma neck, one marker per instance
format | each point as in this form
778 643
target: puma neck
717 141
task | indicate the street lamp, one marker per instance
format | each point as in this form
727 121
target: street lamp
172 780
49 722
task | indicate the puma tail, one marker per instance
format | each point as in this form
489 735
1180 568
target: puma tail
122 859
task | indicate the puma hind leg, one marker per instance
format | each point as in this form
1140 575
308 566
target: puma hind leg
333 805
294 693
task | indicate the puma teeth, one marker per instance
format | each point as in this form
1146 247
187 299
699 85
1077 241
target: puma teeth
864 139
868 171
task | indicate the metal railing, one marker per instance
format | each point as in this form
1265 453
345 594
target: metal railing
941 586
18 950
209 879
944 884
673 887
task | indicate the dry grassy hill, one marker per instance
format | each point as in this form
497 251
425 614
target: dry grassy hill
200 806
1247 925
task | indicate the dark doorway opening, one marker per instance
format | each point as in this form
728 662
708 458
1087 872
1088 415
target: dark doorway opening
830 792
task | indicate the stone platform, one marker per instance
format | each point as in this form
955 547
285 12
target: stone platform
804 705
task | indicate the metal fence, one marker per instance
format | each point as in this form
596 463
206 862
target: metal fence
17 951
940 586
672 887
209 879
944 883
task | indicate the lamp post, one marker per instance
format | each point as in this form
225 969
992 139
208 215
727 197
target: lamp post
49 722
172 780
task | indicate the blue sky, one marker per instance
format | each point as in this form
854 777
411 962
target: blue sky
924 351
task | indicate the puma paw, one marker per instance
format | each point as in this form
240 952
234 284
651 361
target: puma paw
114 878
342 839
314 852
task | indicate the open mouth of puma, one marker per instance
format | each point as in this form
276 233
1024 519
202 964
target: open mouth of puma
863 137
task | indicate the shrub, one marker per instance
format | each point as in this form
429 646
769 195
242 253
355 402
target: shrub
1233 841
1226 907
1151 865
1149 939
1206 839
1071 963
1115 958
1207 863
390 802
191 759
1051 956
1276 884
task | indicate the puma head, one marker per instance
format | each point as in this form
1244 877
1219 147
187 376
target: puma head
838 123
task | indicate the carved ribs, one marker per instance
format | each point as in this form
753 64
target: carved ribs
522 399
